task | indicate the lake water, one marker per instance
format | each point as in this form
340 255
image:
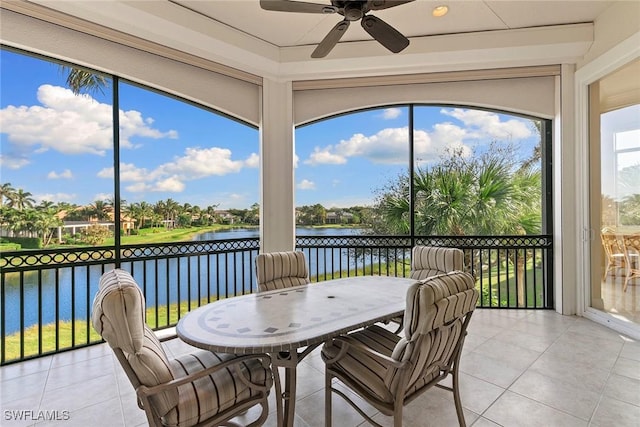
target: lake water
74 301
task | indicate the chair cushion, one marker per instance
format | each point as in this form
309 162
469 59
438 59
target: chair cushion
434 323
119 311
364 370
427 261
432 303
215 393
438 300
119 317
280 270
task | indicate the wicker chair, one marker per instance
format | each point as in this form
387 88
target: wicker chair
196 389
614 252
280 270
389 371
631 245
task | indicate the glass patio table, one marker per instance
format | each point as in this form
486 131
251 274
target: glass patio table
289 323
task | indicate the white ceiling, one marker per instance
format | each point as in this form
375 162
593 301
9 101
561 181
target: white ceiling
411 19
238 33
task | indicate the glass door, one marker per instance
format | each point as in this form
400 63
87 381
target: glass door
614 134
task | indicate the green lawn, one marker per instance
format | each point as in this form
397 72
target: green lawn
505 294
160 235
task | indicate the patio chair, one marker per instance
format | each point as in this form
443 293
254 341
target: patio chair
280 270
631 246
614 252
427 261
196 389
389 371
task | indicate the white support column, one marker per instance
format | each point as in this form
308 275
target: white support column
277 208
566 233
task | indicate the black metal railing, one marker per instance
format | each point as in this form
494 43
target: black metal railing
46 295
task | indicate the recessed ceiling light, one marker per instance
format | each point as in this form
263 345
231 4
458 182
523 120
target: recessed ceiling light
439 11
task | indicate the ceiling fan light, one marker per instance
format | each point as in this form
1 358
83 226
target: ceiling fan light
440 11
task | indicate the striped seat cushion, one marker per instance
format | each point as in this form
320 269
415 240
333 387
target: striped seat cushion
364 370
433 325
118 315
427 261
280 270
215 393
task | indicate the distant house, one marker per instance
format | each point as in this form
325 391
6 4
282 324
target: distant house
72 227
339 217
226 217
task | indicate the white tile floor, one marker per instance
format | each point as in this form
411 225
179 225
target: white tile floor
519 368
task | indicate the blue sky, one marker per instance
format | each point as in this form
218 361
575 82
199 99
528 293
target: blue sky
58 147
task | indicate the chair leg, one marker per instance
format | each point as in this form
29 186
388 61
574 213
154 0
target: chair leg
397 415
456 395
327 399
278 387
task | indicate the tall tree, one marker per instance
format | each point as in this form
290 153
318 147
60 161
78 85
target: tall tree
21 200
486 194
80 80
7 193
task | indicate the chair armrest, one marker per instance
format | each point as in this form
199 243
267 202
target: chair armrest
144 392
350 343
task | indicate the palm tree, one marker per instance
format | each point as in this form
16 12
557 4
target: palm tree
134 210
45 222
6 192
21 200
79 80
99 209
172 208
484 195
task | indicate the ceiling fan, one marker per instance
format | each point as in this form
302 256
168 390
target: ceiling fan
352 10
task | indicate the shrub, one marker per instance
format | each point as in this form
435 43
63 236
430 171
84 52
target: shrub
25 242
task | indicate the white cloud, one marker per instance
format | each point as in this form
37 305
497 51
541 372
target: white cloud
305 184
138 187
195 164
200 163
391 113
485 124
172 184
390 145
128 173
54 197
65 174
387 146
253 161
324 156
12 161
103 197
71 124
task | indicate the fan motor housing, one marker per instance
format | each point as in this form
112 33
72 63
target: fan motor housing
351 10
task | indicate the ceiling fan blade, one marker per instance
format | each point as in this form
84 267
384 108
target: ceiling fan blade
296 6
386 4
330 40
386 35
